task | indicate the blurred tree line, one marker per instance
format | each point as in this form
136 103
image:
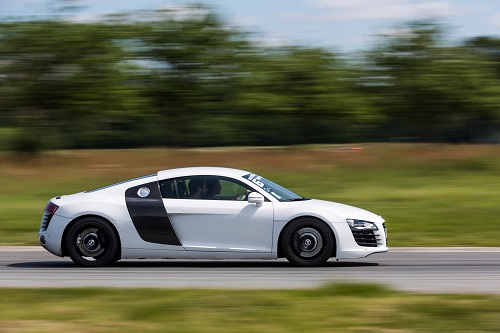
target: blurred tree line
166 79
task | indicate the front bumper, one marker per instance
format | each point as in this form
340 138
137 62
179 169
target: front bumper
354 244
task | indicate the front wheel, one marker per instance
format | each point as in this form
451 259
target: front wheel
92 242
307 242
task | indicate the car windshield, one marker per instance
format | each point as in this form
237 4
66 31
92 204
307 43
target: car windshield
277 191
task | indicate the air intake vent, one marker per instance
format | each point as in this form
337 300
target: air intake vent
365 238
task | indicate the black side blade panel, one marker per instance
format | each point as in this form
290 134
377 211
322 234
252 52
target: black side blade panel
149 215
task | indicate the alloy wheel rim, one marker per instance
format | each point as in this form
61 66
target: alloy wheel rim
89 242
307 242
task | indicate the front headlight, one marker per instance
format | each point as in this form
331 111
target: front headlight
361 225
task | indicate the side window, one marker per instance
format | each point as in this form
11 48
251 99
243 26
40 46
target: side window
181 187
205 188
220 188
174 188
167 189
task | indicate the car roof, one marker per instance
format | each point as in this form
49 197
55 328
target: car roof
202 171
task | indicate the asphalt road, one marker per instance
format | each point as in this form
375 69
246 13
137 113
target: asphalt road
422 270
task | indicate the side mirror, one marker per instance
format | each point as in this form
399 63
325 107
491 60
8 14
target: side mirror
256 198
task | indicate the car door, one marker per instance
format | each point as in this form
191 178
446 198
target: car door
221 219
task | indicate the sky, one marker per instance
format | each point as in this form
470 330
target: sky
343 25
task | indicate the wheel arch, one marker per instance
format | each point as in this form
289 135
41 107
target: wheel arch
76 219
319 220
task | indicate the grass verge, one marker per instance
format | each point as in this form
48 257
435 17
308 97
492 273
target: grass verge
333 308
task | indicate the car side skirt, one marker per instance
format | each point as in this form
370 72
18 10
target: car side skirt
128 253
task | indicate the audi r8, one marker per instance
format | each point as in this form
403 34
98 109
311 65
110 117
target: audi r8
206 213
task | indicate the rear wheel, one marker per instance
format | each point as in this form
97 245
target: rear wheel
307 242
92 242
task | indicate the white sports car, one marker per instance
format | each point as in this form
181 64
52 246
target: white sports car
206 213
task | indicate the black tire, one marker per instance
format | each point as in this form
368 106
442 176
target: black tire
307 242
92 242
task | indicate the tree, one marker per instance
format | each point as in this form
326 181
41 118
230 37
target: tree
303 95
64 79
432 91
194 65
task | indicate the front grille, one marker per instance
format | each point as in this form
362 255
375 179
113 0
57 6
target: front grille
45 221
365 238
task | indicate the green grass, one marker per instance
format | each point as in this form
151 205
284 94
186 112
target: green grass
430 195
356 308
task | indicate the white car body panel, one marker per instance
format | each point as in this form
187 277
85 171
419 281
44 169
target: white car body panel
217 225
208 229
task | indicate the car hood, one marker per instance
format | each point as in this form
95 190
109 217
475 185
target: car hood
345 211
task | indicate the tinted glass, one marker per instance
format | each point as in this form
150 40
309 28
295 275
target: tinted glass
205 188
